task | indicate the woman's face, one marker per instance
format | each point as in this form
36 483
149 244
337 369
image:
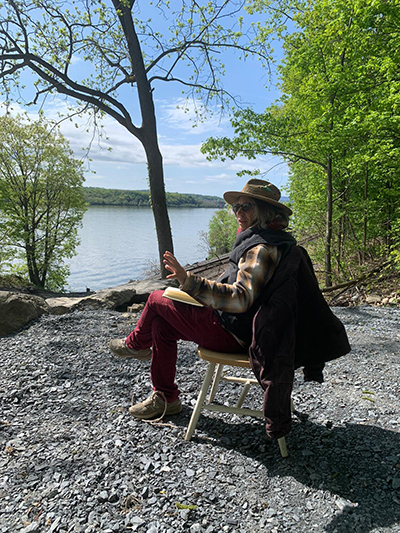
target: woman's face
245 218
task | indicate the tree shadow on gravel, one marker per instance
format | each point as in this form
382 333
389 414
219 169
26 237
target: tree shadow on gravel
358 463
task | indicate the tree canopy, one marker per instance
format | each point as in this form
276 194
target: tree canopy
126 54
41 200
336 124
101 196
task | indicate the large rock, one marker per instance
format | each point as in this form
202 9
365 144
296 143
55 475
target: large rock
119 297
18 309
63 304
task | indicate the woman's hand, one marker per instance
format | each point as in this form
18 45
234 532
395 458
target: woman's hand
172 264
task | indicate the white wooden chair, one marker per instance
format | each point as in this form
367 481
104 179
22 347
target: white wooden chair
216 363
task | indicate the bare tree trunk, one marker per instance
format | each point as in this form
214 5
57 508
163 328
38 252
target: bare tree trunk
340 244
147 133
341 229
329 213
30 247
33 272
365 216
158 201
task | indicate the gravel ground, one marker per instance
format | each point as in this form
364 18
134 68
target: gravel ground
74 460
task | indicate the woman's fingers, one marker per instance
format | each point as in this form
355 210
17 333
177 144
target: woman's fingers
171 261
172 264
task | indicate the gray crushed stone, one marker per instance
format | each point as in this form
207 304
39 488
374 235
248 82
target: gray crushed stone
72 459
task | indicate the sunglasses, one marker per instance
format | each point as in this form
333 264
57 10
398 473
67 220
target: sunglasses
244 207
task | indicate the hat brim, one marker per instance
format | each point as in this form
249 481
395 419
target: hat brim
231 197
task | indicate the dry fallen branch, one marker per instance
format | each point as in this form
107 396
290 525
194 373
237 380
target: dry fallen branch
358 281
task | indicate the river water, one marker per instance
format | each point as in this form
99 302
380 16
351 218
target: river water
119 244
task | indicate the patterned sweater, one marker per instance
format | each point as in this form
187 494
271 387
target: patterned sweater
255 269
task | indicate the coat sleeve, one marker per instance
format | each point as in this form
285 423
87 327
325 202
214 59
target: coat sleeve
255 269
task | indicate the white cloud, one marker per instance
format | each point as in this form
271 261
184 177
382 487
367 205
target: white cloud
119 147
76 60
125 165
191 117
217 177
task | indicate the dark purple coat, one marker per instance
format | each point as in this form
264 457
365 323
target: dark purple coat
293 327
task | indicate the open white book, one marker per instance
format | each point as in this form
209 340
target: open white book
180 296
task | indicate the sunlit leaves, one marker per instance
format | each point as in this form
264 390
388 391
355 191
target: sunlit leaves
222 232
340 83
197 36
41 197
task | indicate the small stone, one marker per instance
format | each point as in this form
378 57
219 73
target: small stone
103 496
238 470
32 528
92 518
184 513
55 524
136 521
113 498
343 504
396 483
373 299
307 453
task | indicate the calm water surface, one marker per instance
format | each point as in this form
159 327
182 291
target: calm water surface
119 244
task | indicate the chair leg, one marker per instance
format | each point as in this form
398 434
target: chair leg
200 401
243 395
217 379
282 447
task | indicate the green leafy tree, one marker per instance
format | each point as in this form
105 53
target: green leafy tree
100 196
126 57
41 199
222 231
337 122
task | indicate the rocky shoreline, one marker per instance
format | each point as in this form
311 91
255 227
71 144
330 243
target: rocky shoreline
74 460
19 307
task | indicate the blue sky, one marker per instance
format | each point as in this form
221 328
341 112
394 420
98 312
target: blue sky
186 169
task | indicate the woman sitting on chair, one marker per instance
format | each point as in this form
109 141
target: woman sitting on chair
224 324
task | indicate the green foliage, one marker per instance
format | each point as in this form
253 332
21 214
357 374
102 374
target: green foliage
222 231
183 43
337 125
100 196
123 57
41 200
395 249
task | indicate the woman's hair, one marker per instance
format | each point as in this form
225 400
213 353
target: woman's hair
267 215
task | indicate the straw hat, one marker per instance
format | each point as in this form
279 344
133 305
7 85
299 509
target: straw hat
261 190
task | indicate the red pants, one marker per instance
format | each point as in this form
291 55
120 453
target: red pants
162 323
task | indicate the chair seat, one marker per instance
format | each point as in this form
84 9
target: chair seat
231 359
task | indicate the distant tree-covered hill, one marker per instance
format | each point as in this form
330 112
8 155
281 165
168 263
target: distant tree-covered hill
99 196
